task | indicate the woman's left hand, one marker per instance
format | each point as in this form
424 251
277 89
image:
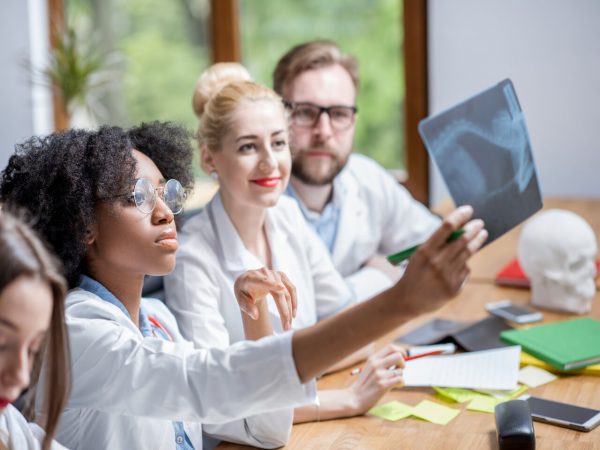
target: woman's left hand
252 287
382 371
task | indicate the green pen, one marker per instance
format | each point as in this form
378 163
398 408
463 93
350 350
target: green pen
397 258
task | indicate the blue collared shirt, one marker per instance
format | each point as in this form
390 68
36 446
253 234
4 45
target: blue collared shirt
148 329
325 223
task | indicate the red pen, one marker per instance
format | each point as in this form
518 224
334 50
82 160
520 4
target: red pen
358 370
420 355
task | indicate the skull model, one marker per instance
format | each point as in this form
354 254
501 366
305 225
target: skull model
557 250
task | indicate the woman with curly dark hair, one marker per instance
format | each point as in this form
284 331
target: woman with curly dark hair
106 201
32 328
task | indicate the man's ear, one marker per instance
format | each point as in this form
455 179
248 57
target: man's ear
207 160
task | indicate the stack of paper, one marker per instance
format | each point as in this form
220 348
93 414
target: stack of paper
488 369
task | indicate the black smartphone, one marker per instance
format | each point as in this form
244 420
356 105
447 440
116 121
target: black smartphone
562 414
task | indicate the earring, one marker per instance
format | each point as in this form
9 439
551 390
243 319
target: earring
214 175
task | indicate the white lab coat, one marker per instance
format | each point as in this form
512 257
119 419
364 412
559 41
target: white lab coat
17 434
378 216
127 389
200 293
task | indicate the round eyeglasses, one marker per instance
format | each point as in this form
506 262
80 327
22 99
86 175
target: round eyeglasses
144 195
306 115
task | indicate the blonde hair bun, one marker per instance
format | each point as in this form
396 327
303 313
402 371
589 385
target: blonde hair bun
213 79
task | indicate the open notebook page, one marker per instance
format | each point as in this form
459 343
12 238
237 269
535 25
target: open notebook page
488 369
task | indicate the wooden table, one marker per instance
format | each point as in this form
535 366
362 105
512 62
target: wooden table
469 429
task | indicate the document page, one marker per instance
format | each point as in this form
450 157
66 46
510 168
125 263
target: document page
488 369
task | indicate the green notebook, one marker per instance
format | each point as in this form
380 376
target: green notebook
566 345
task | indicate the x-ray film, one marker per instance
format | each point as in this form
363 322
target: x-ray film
481 147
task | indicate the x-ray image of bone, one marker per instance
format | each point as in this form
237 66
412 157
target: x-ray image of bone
482 150
495 160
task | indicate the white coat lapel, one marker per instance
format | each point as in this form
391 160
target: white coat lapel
352 214
233 255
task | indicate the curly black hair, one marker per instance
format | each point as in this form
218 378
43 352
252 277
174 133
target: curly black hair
59 179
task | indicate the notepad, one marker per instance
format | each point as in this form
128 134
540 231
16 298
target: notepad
566 345
488 369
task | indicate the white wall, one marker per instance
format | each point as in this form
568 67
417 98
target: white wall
26 106
551 51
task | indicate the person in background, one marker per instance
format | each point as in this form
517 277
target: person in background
357 208
105 201
243 138
32 330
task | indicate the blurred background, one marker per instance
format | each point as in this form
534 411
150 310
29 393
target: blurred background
86 63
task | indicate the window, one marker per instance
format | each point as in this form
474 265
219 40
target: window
157 80
369 29
155 51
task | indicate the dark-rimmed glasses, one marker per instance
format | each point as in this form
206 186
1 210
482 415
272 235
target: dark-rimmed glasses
306 115
144 195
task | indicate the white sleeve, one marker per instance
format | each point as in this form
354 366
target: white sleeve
367 282
269 430
405 222
193 296
40 434
117 371
330 290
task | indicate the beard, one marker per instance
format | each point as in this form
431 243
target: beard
315 176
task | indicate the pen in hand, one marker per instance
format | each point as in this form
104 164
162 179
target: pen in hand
397 258
358 370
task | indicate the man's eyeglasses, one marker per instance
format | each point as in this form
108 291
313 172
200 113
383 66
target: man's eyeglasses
144 195
304 114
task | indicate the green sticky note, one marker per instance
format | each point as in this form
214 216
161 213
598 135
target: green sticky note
434 412
457 394
392 411
483 403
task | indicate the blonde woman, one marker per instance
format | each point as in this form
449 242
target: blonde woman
243 138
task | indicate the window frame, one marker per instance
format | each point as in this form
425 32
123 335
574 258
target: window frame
226 46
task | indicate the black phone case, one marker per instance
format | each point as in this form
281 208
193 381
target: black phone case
514 426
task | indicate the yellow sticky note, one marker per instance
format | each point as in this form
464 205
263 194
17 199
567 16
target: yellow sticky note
483 403
392 411
434 412
504 395
535 376
459 395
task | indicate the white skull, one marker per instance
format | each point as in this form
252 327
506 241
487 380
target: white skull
557 250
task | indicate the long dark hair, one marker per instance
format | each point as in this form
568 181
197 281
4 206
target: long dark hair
23 254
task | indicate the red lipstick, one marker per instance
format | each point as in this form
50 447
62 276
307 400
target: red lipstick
267 182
